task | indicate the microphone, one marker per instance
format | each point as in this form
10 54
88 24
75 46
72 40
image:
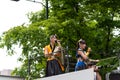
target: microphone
57 41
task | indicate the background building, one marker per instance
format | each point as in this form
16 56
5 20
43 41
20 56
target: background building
6 75
6 72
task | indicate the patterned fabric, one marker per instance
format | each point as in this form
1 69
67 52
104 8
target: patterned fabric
80 65
77 55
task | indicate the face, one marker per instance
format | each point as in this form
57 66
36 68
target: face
53 39
83 46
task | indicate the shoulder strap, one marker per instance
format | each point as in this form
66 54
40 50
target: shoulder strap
80 49
52 48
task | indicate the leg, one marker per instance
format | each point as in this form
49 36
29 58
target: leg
98 76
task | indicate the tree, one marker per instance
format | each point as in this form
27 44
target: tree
31 41
92 20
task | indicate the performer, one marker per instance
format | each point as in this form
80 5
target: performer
81 55
83 62
97 75
53 66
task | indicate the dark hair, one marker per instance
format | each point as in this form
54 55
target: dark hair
55 35
52 36
77 45
81 41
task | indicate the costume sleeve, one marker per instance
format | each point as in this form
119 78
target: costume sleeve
46 48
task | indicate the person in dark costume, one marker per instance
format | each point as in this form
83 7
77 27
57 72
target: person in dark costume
52 52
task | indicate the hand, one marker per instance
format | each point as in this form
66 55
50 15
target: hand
58 41
97 60
89 49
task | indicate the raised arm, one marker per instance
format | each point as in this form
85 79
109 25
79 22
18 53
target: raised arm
88 51
83 55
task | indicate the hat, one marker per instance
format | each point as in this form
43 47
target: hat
82 41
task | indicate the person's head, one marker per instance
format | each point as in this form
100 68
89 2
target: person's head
81 44
53 39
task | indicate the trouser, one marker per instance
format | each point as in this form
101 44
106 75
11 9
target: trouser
53 67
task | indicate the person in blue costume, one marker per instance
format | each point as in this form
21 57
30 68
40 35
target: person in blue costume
83 60
81 55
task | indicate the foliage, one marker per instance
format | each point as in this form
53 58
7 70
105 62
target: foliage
31 41
92 20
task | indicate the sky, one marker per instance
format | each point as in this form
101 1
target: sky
12 14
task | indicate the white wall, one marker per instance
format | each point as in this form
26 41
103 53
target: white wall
87 74
3 77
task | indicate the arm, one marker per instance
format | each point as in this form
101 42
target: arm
88 51
83 55
60 53
58 49
92 60
59 44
